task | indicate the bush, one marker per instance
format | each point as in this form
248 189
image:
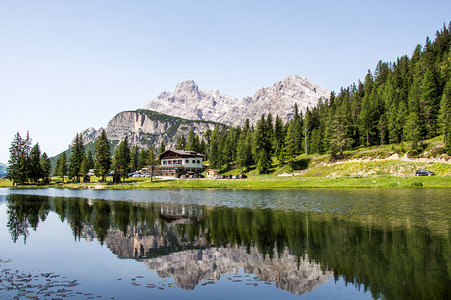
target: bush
301 164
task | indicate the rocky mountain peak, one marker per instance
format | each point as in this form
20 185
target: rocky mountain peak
190 102
188 87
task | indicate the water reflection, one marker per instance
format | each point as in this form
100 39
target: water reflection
298 250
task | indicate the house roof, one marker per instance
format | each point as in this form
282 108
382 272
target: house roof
182 153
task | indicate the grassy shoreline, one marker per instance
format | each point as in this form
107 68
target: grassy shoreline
260 182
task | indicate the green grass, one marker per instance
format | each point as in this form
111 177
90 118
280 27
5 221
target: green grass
266 182
5 183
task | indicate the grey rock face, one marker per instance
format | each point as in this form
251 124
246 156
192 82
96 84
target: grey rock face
146 128
190 102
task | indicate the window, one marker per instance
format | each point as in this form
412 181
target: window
198 161
194 161
165 162
186 161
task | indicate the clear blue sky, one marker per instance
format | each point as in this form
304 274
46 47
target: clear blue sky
69 65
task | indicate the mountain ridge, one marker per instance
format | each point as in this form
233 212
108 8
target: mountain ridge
189 101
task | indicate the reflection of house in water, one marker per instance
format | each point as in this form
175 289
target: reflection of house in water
180 213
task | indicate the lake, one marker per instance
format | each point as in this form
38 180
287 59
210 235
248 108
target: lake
222 244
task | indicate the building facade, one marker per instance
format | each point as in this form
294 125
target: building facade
180 162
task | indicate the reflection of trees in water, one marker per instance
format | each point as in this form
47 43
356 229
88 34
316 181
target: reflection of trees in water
390 260
25 211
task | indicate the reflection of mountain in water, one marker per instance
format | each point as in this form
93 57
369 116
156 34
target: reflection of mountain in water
192 262
189 268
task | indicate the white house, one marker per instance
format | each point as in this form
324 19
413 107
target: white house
179 162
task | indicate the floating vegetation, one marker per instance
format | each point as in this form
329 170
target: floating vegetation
21 285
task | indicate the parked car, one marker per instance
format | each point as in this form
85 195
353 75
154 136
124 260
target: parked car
424 173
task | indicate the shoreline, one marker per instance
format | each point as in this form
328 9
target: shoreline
263 182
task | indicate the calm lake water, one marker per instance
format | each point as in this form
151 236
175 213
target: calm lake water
222 244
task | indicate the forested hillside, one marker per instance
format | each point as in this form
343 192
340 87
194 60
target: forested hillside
408 100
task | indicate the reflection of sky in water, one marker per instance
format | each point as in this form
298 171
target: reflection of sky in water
52 248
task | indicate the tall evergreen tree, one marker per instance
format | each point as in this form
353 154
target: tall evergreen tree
142 160
181 143
430 103
413 131
367 110
152 161
162 147
291 141
134 158
61 166
89 160
279 136
17 163
262 146
87 164
34 164
213 152
445 116
102 155
77 154
190 144
45 168
121 159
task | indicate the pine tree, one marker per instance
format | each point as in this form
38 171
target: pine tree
430 103
262 146
142 159
152 161
102 155
339 139
270 131
121 159
89 160
84 168
46 167
17 163
34 164
181 143
413 130
279 136
134 158
203 147
316 141
241 153
162 147
77 154
61 166
445 116
190 144
87 164
291 141
213 152
367 110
